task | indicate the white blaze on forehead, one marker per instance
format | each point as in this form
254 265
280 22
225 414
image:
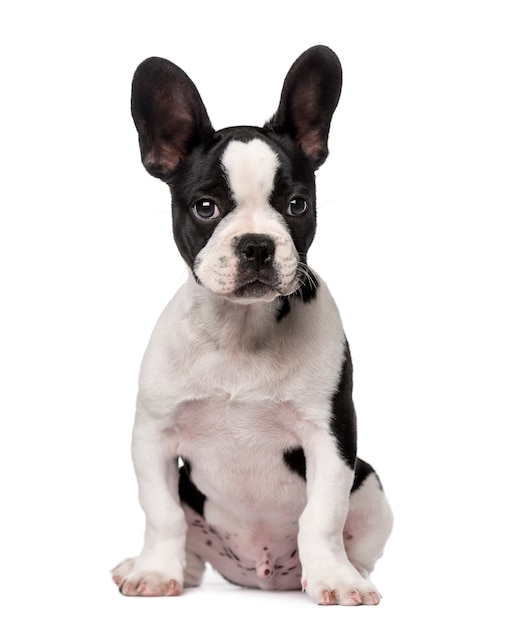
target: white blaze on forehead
250 168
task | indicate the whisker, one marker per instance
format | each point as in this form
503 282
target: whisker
306 276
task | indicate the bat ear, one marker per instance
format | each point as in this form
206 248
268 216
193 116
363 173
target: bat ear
169 115
310 94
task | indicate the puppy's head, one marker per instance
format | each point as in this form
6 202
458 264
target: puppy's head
243 198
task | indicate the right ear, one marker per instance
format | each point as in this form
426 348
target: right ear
169 114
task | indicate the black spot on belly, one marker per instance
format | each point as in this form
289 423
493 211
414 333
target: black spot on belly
188 492
295 460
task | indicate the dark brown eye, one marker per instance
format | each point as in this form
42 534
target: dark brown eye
297 207
206 210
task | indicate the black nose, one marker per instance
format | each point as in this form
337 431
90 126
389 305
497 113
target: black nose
257 250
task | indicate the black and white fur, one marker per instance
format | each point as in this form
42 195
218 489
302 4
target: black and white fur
244 442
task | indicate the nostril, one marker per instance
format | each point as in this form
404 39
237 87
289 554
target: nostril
248 252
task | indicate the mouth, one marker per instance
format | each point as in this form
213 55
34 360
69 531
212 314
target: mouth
253 289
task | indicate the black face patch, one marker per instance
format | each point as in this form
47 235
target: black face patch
295 179
198 177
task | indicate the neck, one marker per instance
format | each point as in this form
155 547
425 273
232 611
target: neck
231 325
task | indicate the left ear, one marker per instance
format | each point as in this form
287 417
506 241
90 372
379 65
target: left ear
310 94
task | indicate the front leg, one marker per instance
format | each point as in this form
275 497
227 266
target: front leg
158 571
327 574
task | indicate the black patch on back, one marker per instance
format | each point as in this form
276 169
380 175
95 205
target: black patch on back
362 471
188 492
343 424
295 460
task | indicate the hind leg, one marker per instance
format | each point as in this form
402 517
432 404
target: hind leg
195 553
194 570
368 525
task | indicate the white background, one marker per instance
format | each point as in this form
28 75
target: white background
413 240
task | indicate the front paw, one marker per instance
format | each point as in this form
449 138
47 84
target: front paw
339 586
135 580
